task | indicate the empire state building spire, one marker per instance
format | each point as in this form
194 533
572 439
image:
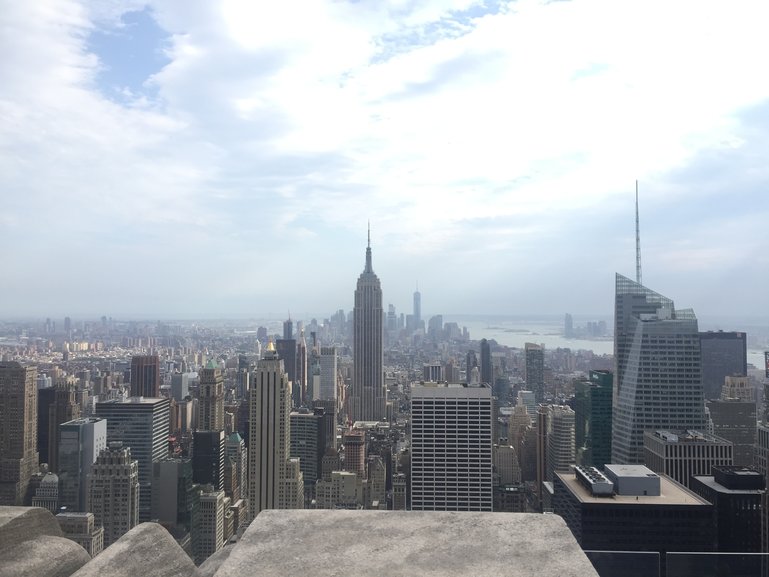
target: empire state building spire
368 400
368 268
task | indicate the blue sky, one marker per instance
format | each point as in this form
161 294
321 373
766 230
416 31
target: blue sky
180 158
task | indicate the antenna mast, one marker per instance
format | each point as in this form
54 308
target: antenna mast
638 278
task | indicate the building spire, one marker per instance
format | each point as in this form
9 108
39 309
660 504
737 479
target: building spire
638 278
368 268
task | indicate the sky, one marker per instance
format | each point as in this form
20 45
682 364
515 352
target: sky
174 159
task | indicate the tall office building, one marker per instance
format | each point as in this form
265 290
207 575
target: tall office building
735 421
534 356
18 431
63 408
286 349
208 458
592 408
658 378
723 354
451 448
235 467
471 366
211 398
301 369
354 442
141 424
683 454
328 374
145 376
113 492
560 440
212 523
269 436
486 367
308 445
80 443
417 309
176 498
368 399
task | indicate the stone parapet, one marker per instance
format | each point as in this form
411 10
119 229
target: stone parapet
400 543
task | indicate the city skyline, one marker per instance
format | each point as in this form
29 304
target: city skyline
482 150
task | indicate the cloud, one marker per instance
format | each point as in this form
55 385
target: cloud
479 137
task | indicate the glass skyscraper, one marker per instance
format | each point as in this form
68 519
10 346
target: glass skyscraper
658 373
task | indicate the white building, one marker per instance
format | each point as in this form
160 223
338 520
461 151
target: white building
270 438
451 447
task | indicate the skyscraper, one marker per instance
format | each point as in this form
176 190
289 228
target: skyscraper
417 308
301 369
451 448
62 409
80 442
723 354
211 399
658 378
368 399
328 371
486 370
145 376
113 492
592 408
535 370
141 424
18 431
270 437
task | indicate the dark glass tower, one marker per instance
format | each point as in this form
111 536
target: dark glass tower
145 376
368 399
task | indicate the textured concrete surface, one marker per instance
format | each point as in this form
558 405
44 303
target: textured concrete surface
19 524
209 567
147 550
43 556
395 543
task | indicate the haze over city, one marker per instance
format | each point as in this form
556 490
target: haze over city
174 159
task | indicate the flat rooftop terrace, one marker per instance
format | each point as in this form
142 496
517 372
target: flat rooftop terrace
671 493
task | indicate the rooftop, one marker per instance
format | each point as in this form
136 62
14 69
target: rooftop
671 493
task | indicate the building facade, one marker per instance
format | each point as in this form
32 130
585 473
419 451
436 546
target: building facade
658 381
682 454
592 413
141 424
534 357
18 431
451 448
145 376
113 492
211 399
368 398
270 436
80 442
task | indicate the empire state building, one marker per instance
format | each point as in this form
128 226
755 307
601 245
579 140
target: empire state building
368 399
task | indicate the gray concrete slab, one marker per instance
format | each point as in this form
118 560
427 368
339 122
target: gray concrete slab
19 524
395 543
43 556
147 550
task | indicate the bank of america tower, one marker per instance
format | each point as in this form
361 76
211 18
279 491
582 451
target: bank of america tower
658 382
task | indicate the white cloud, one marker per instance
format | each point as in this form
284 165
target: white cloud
428 117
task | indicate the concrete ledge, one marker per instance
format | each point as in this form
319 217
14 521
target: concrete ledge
44 556
398 543
210 566
19 524
147 550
